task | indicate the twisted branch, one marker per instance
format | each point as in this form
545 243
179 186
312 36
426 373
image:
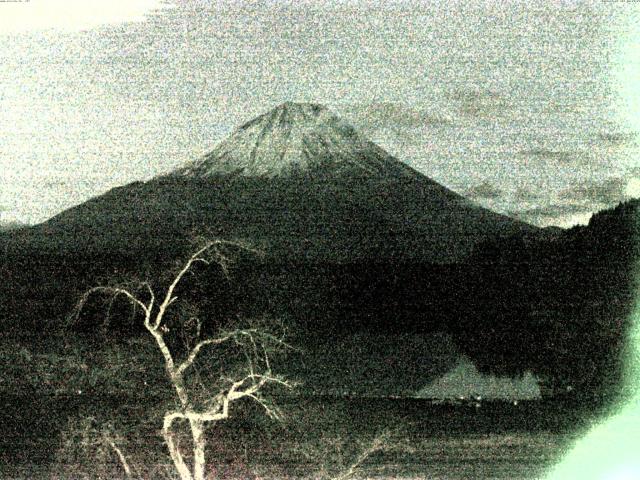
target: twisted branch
249 386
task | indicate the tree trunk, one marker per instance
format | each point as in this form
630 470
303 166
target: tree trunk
174 452
199 443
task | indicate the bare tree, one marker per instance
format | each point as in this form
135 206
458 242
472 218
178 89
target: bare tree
197 413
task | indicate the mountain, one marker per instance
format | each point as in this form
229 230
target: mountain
356 243
297 182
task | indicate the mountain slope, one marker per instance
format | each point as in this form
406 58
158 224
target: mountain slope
297 182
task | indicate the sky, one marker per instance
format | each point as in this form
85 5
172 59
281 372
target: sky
532 110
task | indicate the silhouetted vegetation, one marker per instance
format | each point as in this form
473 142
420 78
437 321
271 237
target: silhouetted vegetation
560 307
552 302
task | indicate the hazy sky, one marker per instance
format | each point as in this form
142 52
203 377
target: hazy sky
532 110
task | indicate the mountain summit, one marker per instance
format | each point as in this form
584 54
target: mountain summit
294 139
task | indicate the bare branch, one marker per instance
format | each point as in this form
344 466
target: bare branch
259 380
121 457
376 445
169 298
220 409
255 344
115 291
272 412
251 334
195 350
221 259
174 450
152 295
126 293
107 317
266 357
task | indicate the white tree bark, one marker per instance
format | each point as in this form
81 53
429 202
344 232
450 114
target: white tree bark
247 386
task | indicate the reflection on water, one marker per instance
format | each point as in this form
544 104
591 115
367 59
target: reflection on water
465 381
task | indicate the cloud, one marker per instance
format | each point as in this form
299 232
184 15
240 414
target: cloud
54 184
553 210
479 103
546 155
389 115
564 215
632 189
611 190
616 138
72 15
70 183
526 195
484 190
7 225
7 219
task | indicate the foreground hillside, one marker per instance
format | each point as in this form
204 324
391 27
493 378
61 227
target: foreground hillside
558 308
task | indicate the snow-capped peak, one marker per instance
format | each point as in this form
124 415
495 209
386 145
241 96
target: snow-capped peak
295 138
